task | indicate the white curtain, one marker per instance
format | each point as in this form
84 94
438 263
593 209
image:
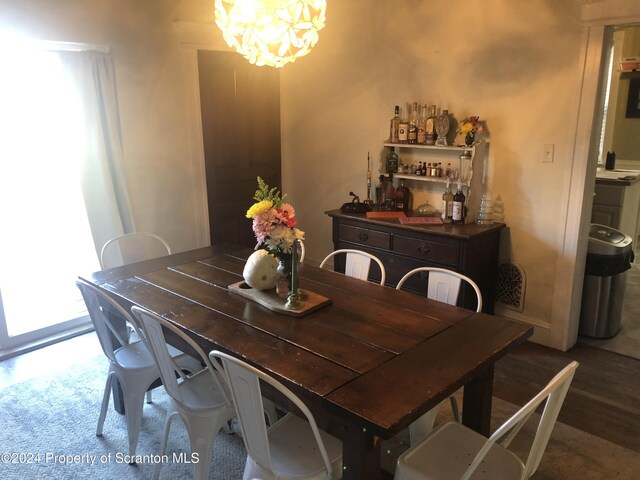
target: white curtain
102 179
62 192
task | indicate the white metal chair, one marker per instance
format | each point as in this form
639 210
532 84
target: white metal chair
200 400
444 286
357 263
454 451
131 248
292 448
130 363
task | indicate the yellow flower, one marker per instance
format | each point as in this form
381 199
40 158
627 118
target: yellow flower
466 128
258 208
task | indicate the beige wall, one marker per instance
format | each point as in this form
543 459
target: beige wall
516 64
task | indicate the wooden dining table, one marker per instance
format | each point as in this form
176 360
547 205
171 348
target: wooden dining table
367 364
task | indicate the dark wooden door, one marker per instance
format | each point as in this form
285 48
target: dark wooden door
240 106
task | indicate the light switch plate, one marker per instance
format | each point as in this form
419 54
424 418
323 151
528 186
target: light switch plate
547 156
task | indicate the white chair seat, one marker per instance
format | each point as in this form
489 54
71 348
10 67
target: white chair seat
200 393
438 457
455 452
291 433
136 356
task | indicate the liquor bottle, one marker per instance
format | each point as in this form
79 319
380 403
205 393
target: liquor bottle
403 196
390 194
392 161
403 128
395 123
422 124
430 128
447 172
413 124
419 169
424 169
447 204
458 204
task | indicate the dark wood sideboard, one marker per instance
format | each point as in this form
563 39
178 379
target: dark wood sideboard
469 249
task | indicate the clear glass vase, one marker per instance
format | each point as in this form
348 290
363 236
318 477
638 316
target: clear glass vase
283 277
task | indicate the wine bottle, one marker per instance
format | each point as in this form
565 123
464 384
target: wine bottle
447 204
403 128
458 204
422 124
395 124
413 124
430 127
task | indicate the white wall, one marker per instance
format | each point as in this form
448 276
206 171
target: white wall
516 64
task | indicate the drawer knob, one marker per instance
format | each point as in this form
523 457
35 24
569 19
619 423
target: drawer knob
363 236
423 248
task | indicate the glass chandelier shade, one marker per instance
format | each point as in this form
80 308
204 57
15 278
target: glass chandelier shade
271 32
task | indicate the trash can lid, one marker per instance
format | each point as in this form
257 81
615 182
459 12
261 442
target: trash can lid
605 240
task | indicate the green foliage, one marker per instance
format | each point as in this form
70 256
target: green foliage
265 193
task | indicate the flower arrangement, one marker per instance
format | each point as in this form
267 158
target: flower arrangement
470 125
274 222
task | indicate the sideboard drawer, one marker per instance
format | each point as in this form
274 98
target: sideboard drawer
434 252
364 236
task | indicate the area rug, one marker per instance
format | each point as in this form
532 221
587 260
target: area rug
48 424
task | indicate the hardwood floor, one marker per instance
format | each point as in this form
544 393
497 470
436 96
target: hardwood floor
604 394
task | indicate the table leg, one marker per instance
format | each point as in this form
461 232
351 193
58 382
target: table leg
476 409
361 454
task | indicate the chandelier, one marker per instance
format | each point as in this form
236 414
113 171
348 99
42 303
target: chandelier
271 32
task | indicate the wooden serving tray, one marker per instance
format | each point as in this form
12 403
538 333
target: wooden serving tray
269 298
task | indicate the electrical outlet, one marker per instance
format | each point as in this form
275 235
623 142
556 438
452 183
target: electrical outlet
547 155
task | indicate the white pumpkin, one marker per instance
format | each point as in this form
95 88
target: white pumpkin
260 270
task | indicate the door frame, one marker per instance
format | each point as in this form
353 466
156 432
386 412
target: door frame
596 17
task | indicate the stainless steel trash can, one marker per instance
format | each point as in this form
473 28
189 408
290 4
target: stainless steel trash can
609 256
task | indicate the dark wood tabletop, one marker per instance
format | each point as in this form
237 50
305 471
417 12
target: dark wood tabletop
367 365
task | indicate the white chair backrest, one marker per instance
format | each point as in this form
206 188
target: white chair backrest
357 263
131 248
99 305
244 383
444 285
150 326
554 394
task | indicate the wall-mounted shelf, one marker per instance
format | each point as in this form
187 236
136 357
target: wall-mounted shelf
452 148
470 169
